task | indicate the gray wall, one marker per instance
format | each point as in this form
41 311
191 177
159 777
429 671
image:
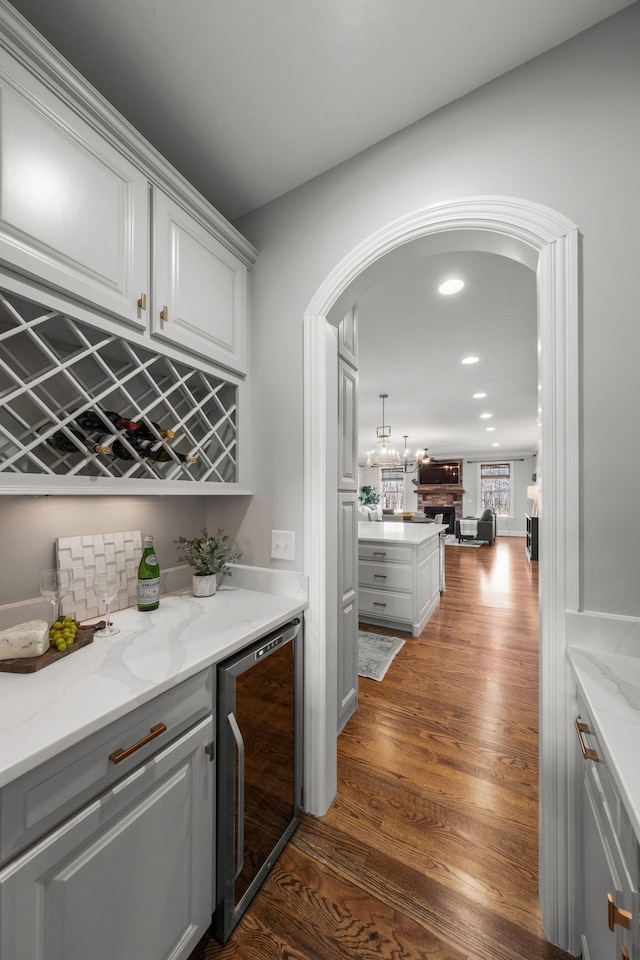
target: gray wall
560 131
29 527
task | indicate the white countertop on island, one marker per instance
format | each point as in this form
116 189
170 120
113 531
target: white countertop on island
400 532
47 711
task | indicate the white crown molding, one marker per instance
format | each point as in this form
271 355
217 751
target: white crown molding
43 61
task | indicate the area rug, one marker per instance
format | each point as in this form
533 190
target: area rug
375 654
452 541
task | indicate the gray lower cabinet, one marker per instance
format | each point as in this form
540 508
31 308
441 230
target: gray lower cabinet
611 861
127 872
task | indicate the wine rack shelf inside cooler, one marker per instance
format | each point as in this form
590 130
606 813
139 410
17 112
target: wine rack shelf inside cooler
53 368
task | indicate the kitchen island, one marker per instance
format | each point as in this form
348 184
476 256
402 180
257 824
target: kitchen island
108 778
400 573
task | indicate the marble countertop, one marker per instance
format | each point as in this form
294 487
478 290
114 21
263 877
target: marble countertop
400 532
47 711
606 662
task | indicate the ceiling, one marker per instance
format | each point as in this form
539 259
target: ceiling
412 342
250 98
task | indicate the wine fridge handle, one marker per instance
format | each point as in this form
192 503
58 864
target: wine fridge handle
237 736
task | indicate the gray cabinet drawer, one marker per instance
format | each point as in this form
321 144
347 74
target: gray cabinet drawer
384 553
42 798
385 576
393 606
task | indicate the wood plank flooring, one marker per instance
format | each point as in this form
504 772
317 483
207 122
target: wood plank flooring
430 850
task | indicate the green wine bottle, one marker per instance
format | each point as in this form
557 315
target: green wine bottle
148 578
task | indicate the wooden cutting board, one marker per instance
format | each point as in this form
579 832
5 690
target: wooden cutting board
31 664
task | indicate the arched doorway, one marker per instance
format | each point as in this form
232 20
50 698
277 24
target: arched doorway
548 242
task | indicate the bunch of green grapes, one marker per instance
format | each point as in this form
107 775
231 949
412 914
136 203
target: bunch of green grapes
63 633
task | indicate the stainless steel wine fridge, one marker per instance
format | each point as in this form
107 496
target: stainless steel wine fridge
259 775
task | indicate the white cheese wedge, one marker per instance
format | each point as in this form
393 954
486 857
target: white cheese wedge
28 639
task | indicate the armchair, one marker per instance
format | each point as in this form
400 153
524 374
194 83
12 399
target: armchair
482 528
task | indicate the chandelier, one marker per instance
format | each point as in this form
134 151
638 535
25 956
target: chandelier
384 454
422 456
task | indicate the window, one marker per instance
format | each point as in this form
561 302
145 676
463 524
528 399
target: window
392 488
495 488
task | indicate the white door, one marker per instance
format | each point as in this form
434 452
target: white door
347 518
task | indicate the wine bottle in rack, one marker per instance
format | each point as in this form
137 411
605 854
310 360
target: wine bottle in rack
125 451
64 444
93 422
144 433
161 453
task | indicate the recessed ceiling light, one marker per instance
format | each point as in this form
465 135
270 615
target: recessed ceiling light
479 396
470 359
486 416
489 429
454 285
495 444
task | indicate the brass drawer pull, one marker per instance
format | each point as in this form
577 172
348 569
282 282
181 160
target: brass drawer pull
164 313
587 752
379 576
625 954
119 755
617 915
142 302
379 553
376 604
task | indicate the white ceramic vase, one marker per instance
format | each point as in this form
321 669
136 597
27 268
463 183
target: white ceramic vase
204 586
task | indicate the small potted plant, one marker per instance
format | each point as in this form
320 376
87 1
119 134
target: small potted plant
210 557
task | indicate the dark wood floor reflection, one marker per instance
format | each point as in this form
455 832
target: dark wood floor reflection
429 851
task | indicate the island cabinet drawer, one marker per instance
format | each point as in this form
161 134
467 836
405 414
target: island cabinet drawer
385 553
39 800
393 606
385 576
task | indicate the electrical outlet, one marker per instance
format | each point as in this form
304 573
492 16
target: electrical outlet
282 544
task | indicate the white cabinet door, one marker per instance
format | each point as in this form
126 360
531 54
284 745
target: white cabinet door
348 607
128 877
74 213
200 301
347 427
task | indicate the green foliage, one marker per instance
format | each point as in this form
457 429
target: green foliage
207 554
369 495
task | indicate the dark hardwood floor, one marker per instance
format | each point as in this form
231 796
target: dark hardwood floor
430 850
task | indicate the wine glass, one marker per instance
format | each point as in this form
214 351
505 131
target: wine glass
106 585
54 585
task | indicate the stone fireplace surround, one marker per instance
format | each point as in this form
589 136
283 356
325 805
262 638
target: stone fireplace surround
442 498
448 515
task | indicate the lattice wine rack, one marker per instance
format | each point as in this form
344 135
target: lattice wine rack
54 368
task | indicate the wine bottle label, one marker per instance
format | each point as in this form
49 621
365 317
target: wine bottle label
148 590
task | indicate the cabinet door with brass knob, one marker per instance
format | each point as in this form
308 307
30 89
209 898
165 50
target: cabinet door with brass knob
200 288
610 897
74 212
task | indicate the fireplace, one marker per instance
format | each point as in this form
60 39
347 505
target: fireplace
448 515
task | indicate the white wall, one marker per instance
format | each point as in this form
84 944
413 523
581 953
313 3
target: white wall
558 131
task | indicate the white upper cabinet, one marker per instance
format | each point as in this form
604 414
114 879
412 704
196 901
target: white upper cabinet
200 295
74 212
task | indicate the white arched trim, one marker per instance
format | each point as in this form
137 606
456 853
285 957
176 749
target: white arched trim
548 242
